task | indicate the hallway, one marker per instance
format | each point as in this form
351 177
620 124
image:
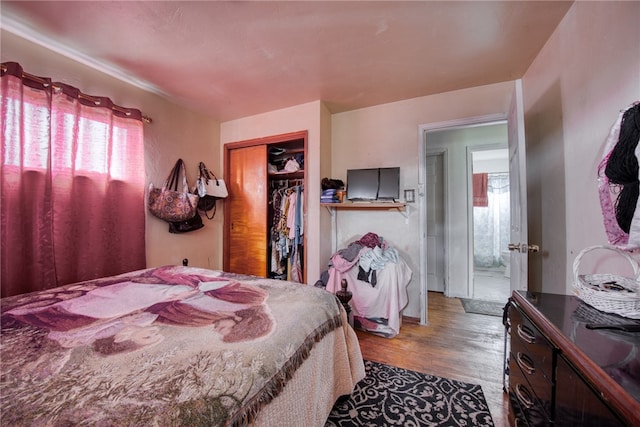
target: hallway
491 285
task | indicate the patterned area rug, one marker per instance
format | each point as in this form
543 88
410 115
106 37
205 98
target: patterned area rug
490 308
391 396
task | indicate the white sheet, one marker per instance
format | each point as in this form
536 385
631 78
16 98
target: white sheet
384 300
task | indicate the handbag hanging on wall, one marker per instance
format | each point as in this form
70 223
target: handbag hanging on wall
192 224
170 204
210 189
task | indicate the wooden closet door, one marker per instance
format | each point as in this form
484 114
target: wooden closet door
247 222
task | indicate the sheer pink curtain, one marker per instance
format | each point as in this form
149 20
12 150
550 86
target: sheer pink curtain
72 185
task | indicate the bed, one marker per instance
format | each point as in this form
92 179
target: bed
176 345
377 278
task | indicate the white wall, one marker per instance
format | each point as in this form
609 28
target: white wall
312 117
175 132
587 72
387 135
498 162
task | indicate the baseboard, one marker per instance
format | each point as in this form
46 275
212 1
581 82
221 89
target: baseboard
409 319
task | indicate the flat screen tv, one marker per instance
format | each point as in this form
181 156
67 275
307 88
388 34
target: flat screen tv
389 184
373 184
362 184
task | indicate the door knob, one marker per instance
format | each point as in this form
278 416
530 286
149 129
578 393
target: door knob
533 248
523 247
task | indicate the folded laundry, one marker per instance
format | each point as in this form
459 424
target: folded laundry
329 200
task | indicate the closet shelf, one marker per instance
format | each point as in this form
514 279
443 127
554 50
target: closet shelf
287 175
288 152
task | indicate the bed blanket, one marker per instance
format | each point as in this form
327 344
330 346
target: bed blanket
162 346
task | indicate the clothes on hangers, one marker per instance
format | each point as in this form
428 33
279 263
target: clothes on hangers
287 230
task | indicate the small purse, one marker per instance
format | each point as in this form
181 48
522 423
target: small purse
209 188
168 203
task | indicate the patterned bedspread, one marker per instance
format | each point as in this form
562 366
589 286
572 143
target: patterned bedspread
161 346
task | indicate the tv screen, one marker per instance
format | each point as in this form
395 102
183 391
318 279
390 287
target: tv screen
373 184
362 184
389 184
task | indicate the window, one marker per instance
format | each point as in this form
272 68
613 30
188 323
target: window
72 185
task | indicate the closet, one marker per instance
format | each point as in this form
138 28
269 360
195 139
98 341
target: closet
266 208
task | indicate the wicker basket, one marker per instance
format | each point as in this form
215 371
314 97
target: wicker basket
609 292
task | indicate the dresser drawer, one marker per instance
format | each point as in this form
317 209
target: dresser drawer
524 401
529 341
532 372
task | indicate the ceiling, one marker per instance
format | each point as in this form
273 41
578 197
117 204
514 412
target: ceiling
231 59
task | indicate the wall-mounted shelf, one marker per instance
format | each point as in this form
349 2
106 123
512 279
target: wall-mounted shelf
365 205
400 206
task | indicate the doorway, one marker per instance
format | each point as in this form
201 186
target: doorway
490 212
451 142
458 250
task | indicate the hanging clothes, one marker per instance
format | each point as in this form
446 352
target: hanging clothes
287 230
618 200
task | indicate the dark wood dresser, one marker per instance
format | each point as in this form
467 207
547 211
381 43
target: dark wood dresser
562 373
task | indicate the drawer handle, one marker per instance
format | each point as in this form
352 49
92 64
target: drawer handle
526 334
524 397
525 363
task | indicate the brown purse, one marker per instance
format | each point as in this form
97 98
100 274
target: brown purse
168 203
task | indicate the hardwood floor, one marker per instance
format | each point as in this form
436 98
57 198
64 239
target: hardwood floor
456 345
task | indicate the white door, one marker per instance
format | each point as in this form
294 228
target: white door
519 246
435 223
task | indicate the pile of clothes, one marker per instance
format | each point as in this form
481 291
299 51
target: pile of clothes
377 277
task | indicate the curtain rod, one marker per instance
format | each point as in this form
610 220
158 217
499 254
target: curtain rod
45 83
